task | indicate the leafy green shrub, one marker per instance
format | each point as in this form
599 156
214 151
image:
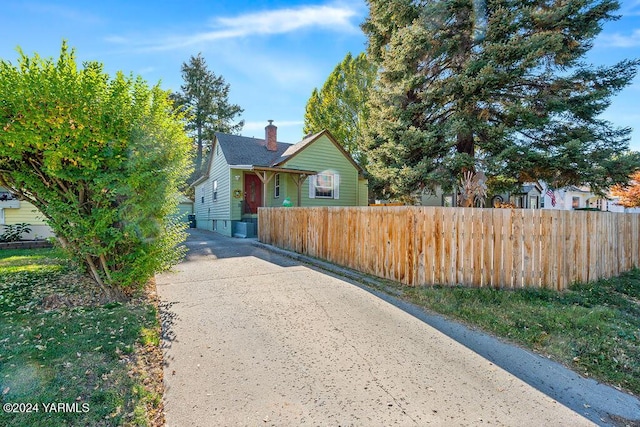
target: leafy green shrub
101 157
14 232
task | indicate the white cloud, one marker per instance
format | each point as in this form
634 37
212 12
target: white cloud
619 40
271 22
286 20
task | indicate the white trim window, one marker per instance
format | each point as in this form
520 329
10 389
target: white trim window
324 186
215 190
276 186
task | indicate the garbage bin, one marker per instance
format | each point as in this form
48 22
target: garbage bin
192 221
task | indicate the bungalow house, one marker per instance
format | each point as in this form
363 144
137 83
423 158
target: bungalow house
244 174
14 211
572 198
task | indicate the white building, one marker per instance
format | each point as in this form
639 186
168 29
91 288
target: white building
572 198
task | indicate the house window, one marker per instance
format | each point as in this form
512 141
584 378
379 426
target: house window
215 190
575 202
323 186
533 202
276 188
202 199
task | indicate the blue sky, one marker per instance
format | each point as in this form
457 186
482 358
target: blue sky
273 53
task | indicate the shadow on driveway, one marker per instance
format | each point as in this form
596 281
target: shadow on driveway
595 401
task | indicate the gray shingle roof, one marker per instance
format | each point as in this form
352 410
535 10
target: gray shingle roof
242 150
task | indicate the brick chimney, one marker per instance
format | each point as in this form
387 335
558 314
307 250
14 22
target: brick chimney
271 136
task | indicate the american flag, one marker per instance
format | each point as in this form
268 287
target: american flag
551 194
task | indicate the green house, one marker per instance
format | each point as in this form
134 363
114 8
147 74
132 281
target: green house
244 174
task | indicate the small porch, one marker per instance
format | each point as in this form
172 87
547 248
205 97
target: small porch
254 187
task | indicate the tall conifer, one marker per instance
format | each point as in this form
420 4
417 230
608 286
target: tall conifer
497 85
205 97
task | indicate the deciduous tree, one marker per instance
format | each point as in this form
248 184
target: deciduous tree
629 194
341 104
101 157
205 97
496 85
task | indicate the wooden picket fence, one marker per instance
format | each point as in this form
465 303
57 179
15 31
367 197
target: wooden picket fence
505 248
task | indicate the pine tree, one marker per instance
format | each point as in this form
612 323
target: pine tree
205 97
341 104
500 86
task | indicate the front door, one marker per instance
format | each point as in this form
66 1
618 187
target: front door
252 193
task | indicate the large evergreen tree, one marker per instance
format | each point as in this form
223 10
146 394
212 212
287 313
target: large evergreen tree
497 85
341 104
205 96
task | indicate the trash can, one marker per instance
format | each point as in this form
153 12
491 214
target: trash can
192 221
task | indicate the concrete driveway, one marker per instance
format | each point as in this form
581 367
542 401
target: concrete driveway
253 338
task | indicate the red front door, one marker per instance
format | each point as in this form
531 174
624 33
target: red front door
252 193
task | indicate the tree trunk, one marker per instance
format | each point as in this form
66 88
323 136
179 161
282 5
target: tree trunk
465 144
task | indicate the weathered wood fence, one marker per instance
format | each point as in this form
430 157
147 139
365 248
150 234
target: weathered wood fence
510 248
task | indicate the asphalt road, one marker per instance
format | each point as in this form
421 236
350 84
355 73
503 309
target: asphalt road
255 338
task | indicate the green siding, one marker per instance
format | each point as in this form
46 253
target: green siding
323 156
236 184
363 192
205 208
287 189
290 190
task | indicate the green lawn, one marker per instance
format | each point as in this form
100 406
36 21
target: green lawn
60 345
592 328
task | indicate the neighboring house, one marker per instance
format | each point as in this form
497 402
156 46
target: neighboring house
14 211
572 198
536 195
185 208
244 173
613 206
528 196
437 198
